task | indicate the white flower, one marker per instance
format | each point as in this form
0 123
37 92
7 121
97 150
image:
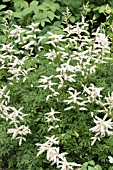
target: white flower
2 91
52 112
94 139
45 146
73 98
16 32
47 83
33 28
53 127
93 92
22 130
27 46
54 156
15 115
51 55
102 126
8 48
109 102
110 159
4 109
52 95
20 140
102 41
50 116
67 165
45 79
55 37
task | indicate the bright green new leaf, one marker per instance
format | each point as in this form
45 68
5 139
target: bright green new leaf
110 168
50 15
90 168
91 163
2 6
102 8
72 19
6 0
27 11
17 14
33 3
97 167
84 166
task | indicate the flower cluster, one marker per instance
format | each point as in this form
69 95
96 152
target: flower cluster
18 50
74 57
102 128
53 154
13 116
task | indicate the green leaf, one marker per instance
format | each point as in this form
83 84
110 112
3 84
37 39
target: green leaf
18 5
91 163
111 3
102 8
97 167
2 6
54 6
72 19
50 15
6 0
90 168
27 11
42 23
84 166
17 14
96 9
33 4
25 4
76 134
2 38
110 141
27 64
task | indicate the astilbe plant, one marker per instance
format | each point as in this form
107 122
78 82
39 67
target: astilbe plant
13 116
17 53
72 56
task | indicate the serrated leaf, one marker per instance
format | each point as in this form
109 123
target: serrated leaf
2 6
